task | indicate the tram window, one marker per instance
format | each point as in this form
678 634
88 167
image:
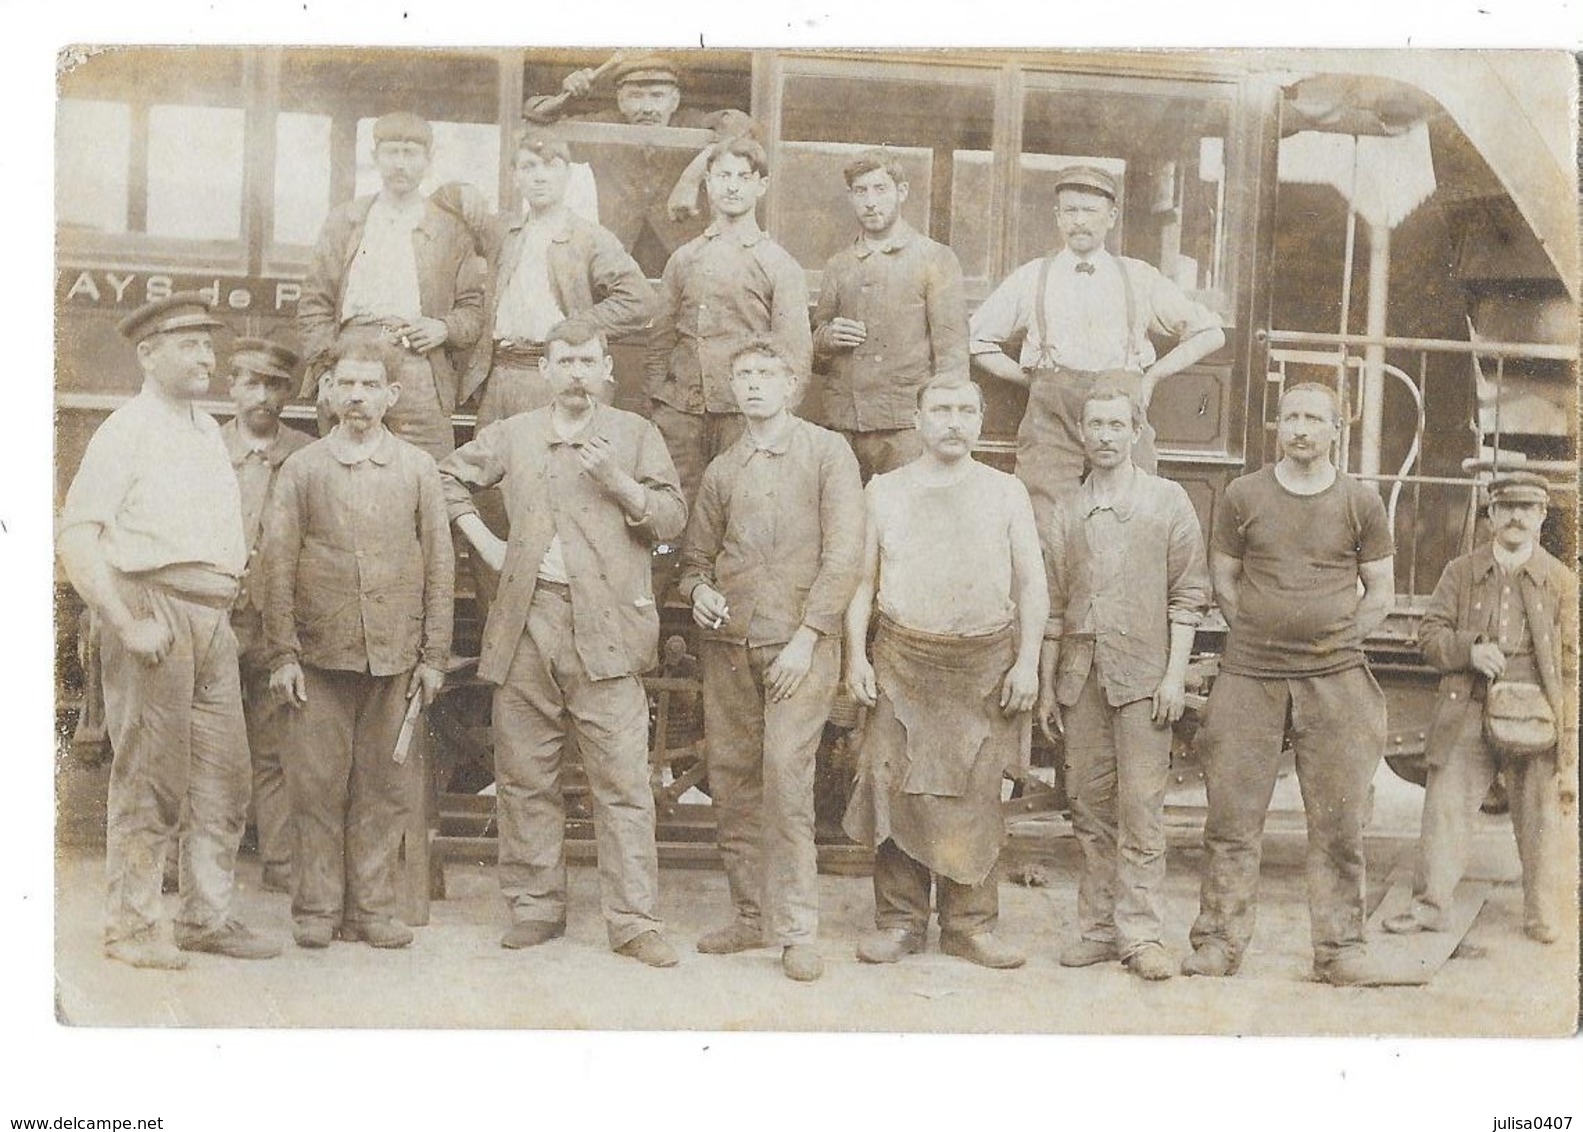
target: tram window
302 176
93 146
939 119
1168 149
195 172
463 151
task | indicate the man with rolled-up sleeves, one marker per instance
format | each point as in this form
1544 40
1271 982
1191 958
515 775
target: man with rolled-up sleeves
590 490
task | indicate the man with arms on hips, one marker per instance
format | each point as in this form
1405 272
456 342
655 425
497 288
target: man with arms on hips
263 378
727 287
951 557
358 620
151 538
1293 545
1128 586
399 262
890 316
1507 613
1085 315
590 490
769 566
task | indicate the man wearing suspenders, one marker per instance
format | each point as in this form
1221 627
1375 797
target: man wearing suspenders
1085 314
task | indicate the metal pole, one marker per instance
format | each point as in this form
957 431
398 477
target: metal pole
1374 355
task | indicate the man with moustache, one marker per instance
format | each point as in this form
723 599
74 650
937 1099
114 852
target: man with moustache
890 316
151 537
590 490
1085 315
401 263
1128 587
1294 543
769 565
1505 613
951 558
263 378
730 285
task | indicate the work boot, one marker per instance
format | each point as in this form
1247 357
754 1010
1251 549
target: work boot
1351 969
233 939
650 948
1087 952
734 937
889 945
1211 960
531 933
1150 962
801 963
313 934
386 933
1540 932
982 948
148 952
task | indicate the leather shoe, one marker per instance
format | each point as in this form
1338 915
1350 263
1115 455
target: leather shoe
386 933
801 963
889 945
531 933
1351 969
1087 952
734 937
1210 960
313 935
1540 932
1150 962
650 948
1405 923
233 939
982 948
149 953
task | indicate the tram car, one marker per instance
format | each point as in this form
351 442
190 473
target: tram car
1400 226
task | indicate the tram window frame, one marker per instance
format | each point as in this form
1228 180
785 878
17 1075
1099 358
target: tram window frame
143 79
985 77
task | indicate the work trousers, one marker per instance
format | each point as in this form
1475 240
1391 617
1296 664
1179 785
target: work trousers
546 692
1050 456
694 439
1337 727
1117 763
268 731
349 797
512 387
417 416
180 765
883 450
901 896
1451 805
761 774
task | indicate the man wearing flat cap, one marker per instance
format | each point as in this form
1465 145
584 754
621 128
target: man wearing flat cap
648 195
1504 614
263 378
1085 315
399 262
151 536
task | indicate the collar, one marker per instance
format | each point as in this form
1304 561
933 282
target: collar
1122 505
901 234
747 238
560 228
237 447
384 448
429 222
750 445
1067 260
186 414
582 436
1484 562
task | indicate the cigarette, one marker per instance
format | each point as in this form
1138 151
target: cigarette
717 624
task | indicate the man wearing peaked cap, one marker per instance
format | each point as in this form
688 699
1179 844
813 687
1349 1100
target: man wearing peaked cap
264 375
1086 315
151 537
1505 614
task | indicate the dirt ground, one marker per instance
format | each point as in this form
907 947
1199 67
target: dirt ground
457 976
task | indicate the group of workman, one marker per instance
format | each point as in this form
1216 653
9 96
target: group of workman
274 608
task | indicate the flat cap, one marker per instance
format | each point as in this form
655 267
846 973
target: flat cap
647 69
1087 177
271 359
186 310
403 126
1519 487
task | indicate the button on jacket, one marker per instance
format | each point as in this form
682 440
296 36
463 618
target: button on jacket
450 288
547 493
359 562
1121 576
779 532
908 295
719 292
